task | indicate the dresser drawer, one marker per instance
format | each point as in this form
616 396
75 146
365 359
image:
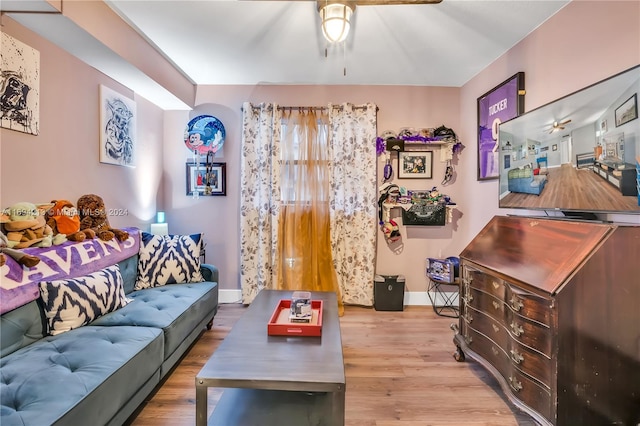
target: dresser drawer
529 333
531 393
486 283
488 350
530 305
531 362
487 303
488 326
526 359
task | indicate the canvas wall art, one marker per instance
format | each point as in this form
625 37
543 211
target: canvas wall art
117 128
19 86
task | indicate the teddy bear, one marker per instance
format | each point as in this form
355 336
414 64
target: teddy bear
17 255
25 226
63 218
93 215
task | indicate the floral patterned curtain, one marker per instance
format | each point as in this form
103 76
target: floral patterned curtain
259 197
352 199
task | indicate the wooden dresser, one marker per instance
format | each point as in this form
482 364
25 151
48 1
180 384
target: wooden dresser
552 309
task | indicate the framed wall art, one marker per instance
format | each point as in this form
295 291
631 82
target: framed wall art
415 164
117 128
627 111
19 86
499 104
206 179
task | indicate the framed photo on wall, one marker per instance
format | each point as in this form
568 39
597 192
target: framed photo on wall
415 165
206 181
627 111
117 128
502 103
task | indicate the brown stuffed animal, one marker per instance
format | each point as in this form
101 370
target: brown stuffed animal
93 215
63 218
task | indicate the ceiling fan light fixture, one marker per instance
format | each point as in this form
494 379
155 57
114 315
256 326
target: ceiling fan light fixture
336 20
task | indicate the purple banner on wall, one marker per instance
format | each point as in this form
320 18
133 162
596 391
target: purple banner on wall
500 104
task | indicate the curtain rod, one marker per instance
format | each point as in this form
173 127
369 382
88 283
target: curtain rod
315 108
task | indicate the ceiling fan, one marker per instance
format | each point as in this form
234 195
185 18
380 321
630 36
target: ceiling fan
559 125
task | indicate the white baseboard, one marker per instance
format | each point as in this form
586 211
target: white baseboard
410 297
230 296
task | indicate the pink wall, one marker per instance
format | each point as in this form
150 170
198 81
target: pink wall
585 42
218 217
62 161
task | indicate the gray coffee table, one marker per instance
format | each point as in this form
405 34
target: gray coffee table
275 380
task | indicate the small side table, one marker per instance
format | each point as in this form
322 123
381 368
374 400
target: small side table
443 302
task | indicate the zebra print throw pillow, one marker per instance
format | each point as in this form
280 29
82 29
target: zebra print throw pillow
168 259
74 302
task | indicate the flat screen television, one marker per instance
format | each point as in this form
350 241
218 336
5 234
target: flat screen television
578 154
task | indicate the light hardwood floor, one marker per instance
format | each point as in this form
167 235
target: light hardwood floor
574 189
399 370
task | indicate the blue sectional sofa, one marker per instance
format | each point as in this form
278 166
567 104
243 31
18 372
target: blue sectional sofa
99 373
525 181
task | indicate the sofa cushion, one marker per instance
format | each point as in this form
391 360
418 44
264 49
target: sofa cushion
168 259
74 302
170 308
520 173
129 271
80 377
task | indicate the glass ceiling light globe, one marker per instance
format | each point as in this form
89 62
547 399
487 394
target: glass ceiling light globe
336 19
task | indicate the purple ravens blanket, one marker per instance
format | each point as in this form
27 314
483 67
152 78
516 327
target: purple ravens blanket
19 285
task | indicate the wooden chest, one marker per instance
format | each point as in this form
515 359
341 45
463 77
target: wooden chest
549 307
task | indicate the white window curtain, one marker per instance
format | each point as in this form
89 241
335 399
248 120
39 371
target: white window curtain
352 198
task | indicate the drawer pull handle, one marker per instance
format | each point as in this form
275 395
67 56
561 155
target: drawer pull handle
515 384
516 356
494 350
495 304
496 284
467 317
517 329
495 328
516 304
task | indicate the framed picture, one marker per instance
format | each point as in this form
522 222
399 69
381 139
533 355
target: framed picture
603 126
507 161
117 128
627 111
499 104
205 180
415 165
20 86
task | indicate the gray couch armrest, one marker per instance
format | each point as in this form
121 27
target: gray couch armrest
209 272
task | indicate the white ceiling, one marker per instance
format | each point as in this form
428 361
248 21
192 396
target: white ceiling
280 42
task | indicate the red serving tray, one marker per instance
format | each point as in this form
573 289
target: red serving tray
279 324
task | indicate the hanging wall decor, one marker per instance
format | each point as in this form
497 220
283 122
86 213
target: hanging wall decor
19 86
204 133
206 178
498 105
117 128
